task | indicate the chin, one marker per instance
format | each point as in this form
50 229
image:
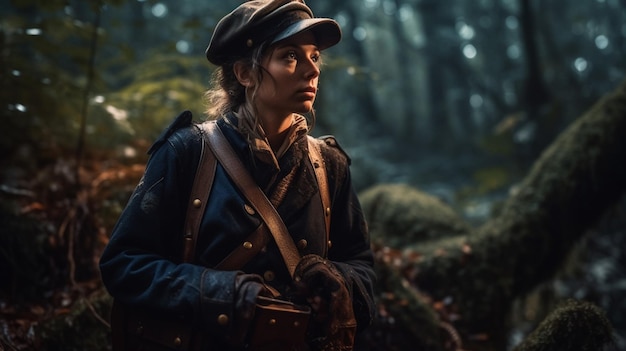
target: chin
305 109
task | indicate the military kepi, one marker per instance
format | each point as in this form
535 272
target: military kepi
257 21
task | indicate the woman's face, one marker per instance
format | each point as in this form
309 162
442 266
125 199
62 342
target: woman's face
290 73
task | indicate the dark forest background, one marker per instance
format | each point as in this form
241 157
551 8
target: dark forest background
455 98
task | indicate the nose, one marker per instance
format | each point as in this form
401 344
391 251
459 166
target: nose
312 70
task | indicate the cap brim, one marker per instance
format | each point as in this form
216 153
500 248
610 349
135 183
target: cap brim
327 31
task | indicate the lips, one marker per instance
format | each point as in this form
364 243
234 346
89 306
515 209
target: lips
308 92
312 90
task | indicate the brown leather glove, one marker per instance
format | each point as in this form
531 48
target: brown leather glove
319 282
247 288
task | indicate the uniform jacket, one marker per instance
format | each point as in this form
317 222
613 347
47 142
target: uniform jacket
141 264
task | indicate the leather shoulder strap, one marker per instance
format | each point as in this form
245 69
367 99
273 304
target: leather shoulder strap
202 183
242 179
315 155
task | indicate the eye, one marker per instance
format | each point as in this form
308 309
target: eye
316 58
291 55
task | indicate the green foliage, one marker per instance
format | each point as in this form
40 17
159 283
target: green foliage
42 86
43 81
158 90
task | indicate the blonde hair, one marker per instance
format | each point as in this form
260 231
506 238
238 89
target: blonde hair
226 94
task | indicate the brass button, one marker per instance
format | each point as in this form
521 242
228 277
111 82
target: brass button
222 319
302 244
296 324
249 43
249 209
247 245
178 341
330 244
197 203
327 211
272 321
269 276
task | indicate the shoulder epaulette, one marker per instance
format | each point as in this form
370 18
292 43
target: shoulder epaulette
183 120
331 141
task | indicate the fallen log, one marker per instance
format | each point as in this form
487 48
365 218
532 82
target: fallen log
470 279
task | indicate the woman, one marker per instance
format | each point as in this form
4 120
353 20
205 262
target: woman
268 58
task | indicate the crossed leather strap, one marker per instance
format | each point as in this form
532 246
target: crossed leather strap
215 147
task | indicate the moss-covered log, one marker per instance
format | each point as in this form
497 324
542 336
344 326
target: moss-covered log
472 279
401 216
573 326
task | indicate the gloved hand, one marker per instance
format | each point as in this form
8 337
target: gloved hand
247 288
319 282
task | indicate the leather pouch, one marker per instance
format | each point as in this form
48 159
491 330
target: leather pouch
279 325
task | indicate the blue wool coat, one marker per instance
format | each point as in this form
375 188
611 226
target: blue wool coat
141 264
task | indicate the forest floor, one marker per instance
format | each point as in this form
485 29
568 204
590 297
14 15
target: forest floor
20 322
54 235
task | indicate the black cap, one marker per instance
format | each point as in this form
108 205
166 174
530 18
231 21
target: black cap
256 21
